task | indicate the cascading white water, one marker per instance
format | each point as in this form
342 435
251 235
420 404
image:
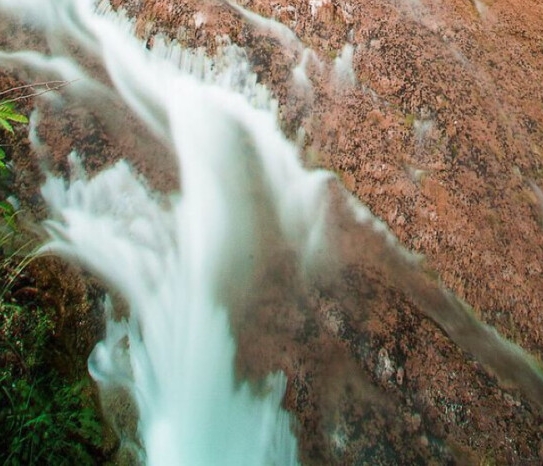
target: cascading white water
171 264
178 261
185 262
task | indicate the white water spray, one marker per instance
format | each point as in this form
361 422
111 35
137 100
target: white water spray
179 262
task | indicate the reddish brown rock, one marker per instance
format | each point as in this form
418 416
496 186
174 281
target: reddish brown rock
442 137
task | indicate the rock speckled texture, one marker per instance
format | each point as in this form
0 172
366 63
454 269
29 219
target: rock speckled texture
441 135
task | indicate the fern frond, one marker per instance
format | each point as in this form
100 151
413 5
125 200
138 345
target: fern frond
8 112
5 124
6 109
7 106
17 117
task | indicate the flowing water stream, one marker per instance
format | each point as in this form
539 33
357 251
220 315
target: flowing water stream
190 263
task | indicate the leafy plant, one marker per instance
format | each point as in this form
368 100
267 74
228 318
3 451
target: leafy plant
43 419
8 113
3 166
47 422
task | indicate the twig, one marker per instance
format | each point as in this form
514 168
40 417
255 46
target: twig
44 83
48 88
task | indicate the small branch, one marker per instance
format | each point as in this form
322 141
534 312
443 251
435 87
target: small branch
49 86
26 86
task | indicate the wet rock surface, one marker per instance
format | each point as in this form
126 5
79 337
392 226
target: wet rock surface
441 135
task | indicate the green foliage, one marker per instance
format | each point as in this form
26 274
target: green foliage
47 422
3 166
7 212
8 113
43 419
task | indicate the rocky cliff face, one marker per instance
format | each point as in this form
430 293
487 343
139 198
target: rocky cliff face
439 130
432 115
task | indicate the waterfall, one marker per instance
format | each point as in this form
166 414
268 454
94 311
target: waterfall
180 261
189 263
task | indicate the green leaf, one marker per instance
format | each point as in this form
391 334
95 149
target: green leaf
17 117
2 154
8 112
7 212
43 418
6 208
4 123
8 107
